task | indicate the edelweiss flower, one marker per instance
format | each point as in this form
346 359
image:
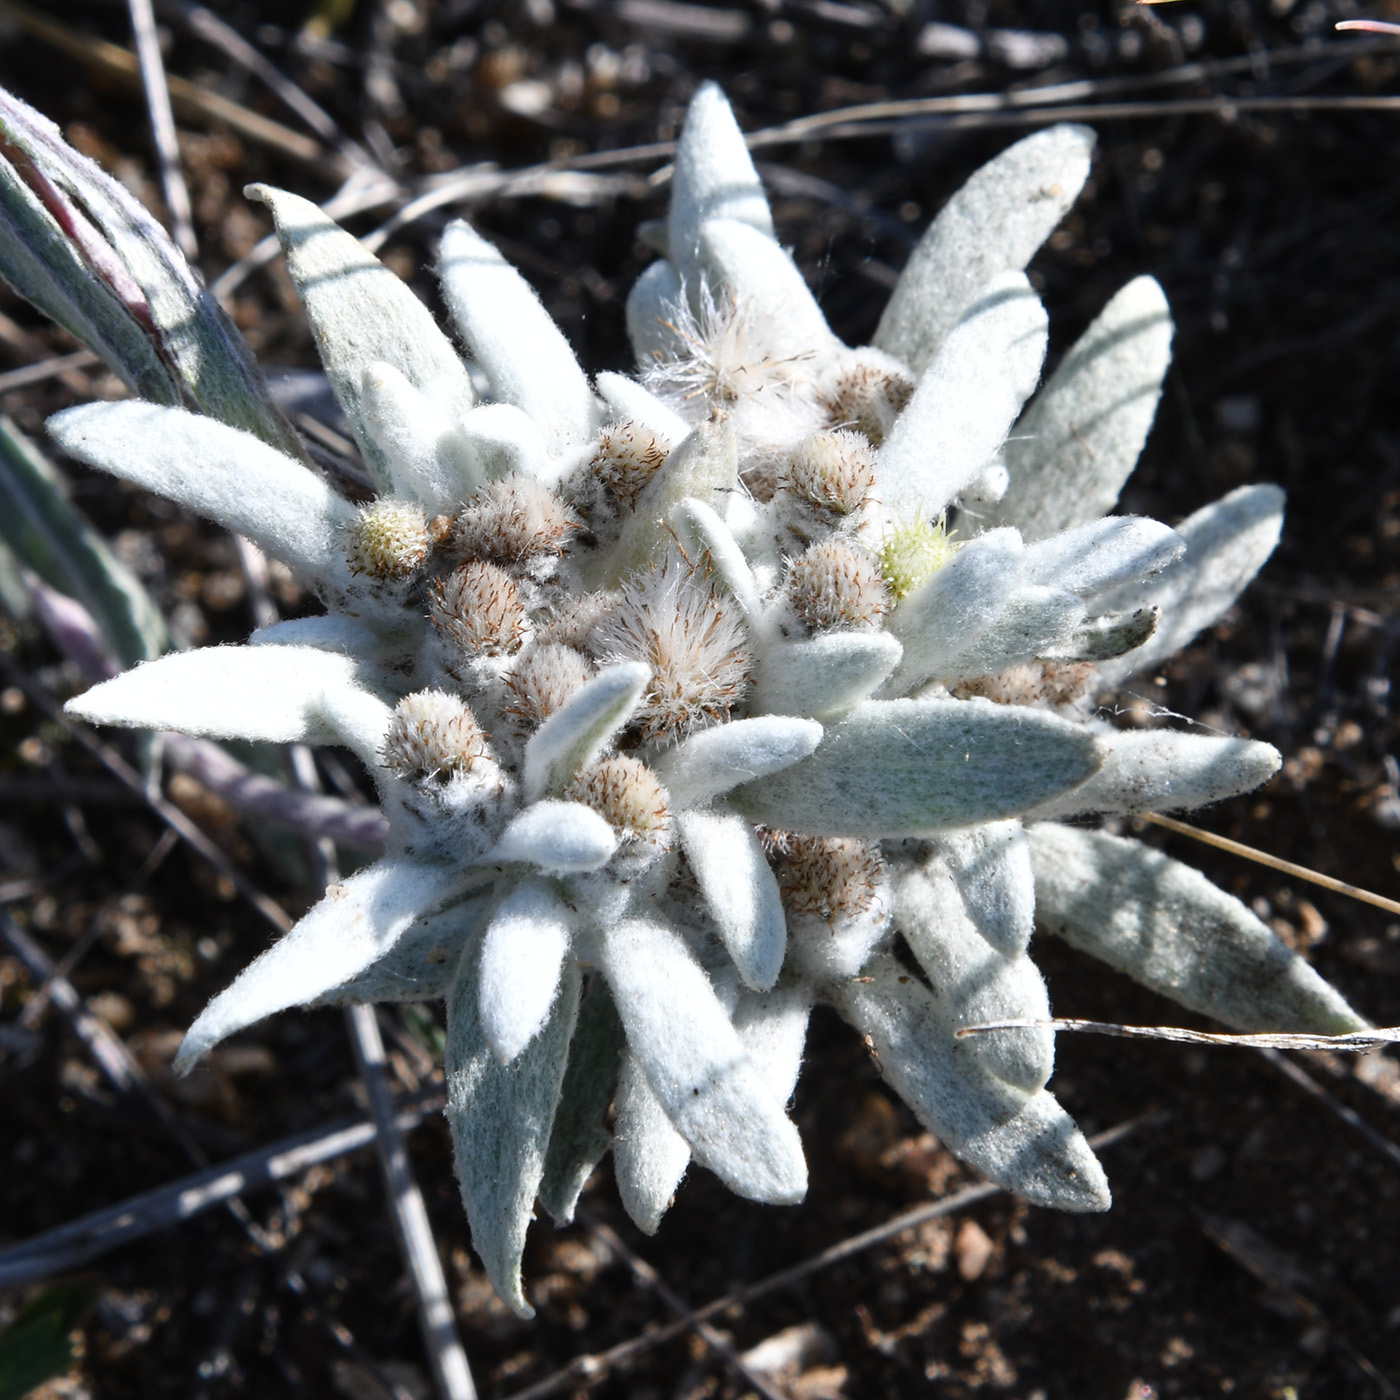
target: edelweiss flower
699 698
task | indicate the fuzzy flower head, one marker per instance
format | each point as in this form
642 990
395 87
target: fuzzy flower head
762 734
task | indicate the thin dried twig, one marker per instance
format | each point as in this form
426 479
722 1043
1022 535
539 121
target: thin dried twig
650 1278
70 1246
1348 1115
172 179
413 1228
587 1370
1299 872
1355 1042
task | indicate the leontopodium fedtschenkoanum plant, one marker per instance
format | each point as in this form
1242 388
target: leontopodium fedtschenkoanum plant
764 678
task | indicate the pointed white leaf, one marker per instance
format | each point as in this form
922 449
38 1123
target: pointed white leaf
1090 559
1166 926
773 1028
823 674
522 953
1227 543
703 533
649 1155
1161 770
652 307
1080 438
918 767
275 693
740 262
580 1135
973 982
626 399
422 964
991 865
714 179
966 401
501 1118
993 224
428 458
1104 638
740 891
241 483
511 335
714 760
499 438
1024 1142
557 837
576 733
682 1038
355 925
360 312
704 467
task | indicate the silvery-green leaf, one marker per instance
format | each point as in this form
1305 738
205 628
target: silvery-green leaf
704 467
1103 638
580 1136
557 837
428 458
626 399
823 674
241 483
993 224
1031 622
740 262
682 1038
700 529
773 1028
740 891
522 954
966 401
714 179
512 337
78 245
422 964
954 607
917 767
972 982
1168 927
354 925
649 1155
1024 1142
1080 438
1161 770
991 865
986 488
338 632
575 734
501 1118
360 312
1090 559
278 694
714 760
652 307
1227 543
499 438
49 536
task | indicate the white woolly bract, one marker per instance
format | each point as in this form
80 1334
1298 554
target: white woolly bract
694 1062
557 837
521 955
357 922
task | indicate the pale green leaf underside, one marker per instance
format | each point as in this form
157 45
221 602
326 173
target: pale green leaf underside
914 767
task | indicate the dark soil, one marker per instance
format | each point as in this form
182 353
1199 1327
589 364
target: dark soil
1253 1245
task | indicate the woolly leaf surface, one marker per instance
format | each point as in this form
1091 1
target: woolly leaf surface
993 224
1165 925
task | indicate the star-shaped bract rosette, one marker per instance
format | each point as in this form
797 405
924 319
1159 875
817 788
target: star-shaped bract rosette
697 698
